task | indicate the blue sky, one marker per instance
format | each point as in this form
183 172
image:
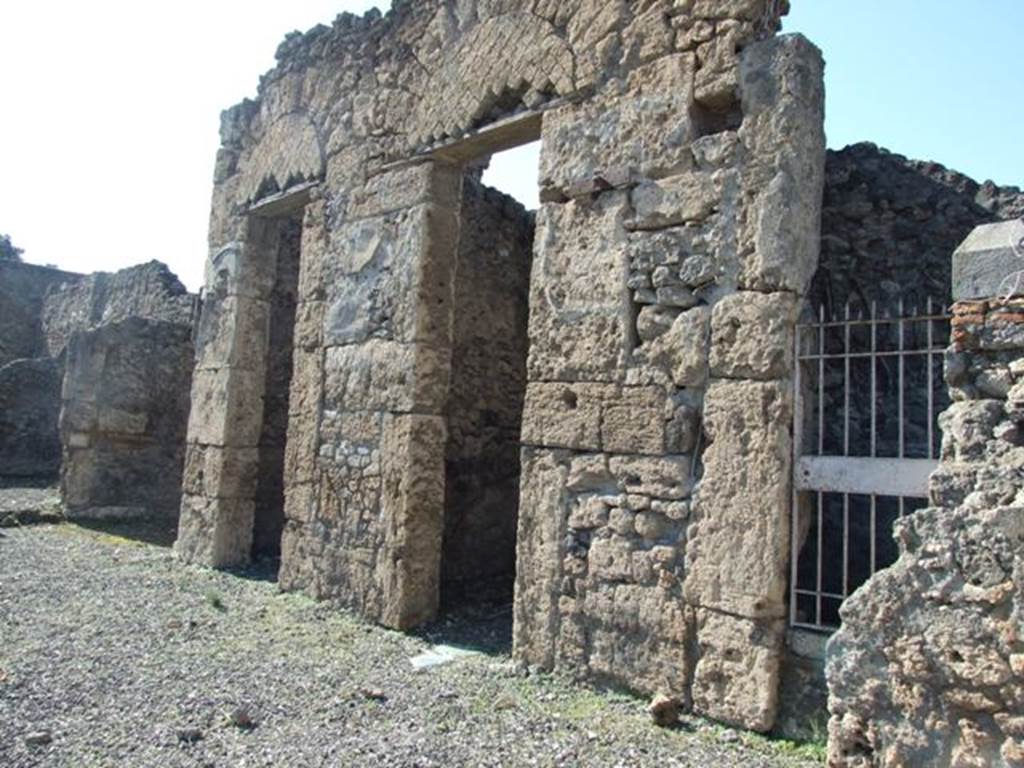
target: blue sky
111 107
932 79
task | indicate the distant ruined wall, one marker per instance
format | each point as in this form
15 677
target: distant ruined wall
488 383
682 167
889 225
148 290
928 667
23 288
125 409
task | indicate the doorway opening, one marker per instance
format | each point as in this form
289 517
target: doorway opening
282 245
488 382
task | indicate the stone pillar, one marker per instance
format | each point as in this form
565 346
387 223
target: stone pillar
217 507
928 667
366 442
655 502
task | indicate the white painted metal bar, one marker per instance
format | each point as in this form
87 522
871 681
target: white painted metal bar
818 585
897 478
864 475
899 360
874 381
846 384
821 381
846 544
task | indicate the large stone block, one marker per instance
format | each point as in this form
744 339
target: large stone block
412 508
215 532
736 678
752 336
987 262
580 315
543 512
386 376
638 129
227 407
232 333
688 198
781 87
217 472
738 551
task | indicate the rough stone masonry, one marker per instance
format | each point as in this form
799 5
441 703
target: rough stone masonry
682 165
928 667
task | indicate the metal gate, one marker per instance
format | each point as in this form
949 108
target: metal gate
869 388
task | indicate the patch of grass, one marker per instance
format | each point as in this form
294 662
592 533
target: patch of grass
213 599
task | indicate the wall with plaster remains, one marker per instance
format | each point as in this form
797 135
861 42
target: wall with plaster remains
123 417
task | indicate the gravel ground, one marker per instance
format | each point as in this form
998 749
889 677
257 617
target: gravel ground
113 654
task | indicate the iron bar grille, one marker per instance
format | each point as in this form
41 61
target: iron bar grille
869 389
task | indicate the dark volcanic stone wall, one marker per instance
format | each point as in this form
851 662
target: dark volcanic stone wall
488 382
23 287
29 409
889 226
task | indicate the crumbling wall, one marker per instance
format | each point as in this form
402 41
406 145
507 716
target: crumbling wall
148 290
23 288
889 225
125 409
682 165
488 382
928 666
29 410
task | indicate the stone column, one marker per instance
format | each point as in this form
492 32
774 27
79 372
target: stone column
215 528
678 236
366 442
928 667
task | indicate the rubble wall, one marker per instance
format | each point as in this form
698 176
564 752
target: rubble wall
928 666
148 290
23 289
29 412
488 382
682 165
125 408
889 225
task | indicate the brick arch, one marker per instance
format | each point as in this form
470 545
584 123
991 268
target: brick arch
502 63
290 152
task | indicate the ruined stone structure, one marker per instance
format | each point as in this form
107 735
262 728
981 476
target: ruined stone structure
682 165
928 667
407 386
97 384
29 378
123 419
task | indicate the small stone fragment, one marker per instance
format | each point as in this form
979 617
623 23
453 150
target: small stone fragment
38 739
664 710
189 735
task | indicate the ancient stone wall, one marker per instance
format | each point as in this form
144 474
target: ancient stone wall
485 399
29 410
682 165
23 288
148 290
125 409
928 666
889 225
